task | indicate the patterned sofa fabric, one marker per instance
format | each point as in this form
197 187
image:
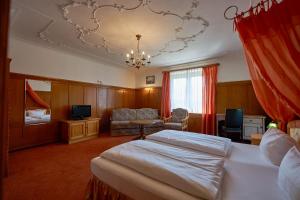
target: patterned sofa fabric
173 126
122 118
123 114
146 113
123 124
178 114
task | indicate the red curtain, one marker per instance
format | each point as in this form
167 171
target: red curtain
209 83
165 96
35 97
271 39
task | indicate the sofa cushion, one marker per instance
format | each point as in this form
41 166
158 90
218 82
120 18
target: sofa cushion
123 114
123 125
173 126
146 113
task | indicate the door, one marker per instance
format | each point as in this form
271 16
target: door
77 130
92 127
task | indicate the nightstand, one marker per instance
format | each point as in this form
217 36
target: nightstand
256 138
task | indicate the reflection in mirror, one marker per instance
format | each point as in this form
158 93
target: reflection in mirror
37 101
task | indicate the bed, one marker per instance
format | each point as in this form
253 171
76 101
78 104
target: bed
247 176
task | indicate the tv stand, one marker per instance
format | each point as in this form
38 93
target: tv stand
73 131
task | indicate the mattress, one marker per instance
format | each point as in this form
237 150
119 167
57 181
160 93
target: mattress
247 176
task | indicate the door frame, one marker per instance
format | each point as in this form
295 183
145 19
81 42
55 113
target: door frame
4 73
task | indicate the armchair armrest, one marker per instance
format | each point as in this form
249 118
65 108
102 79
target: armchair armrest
167 119
185 119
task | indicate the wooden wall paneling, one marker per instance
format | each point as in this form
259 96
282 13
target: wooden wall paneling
195 122
110 99
16 104
90 98
119 100
148 97
132 98
59 101
254 105
102 109
155 98
138 98
101 101
37 134
239 94
221 98
59 108
76 94
128 96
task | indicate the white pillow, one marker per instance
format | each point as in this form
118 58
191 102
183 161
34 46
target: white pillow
275 144
289 174
37 113
295 133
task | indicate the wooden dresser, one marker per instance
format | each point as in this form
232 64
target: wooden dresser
73 131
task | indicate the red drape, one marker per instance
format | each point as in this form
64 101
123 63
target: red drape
209 83
271 41
35 97
165 96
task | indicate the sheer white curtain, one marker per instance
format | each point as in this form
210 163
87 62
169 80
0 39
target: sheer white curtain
186 89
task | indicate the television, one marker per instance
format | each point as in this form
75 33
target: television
80 111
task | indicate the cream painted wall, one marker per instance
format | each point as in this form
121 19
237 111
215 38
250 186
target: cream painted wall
32 59
232 68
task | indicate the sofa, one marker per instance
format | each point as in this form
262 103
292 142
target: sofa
121 121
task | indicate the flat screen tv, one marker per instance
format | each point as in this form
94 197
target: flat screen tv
80 111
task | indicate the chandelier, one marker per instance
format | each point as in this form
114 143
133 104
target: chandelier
137 59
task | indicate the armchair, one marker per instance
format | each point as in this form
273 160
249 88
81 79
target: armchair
178 120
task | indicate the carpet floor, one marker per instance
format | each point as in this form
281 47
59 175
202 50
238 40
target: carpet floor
54 171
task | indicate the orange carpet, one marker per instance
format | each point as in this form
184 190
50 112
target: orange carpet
55 171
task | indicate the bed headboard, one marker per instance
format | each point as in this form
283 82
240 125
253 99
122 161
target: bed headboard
294 124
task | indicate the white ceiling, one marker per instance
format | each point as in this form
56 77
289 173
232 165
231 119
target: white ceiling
173 31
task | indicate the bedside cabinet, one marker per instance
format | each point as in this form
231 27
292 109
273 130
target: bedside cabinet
256 138
73 131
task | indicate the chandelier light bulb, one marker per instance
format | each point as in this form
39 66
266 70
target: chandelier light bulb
131 52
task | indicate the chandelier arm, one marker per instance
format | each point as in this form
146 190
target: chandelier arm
138 47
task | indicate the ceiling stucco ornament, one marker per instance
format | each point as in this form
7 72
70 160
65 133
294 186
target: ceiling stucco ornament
94 23
43 35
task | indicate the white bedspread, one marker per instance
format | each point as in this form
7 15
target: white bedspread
198 174
200 142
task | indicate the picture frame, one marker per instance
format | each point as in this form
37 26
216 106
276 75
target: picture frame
150 79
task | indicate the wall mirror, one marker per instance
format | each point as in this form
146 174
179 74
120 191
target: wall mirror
37 101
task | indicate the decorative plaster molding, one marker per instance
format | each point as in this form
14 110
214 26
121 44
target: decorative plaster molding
95 7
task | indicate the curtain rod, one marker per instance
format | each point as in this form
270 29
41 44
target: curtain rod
182 69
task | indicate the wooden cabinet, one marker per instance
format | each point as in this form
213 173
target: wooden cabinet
79 130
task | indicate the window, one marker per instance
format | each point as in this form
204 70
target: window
186 89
